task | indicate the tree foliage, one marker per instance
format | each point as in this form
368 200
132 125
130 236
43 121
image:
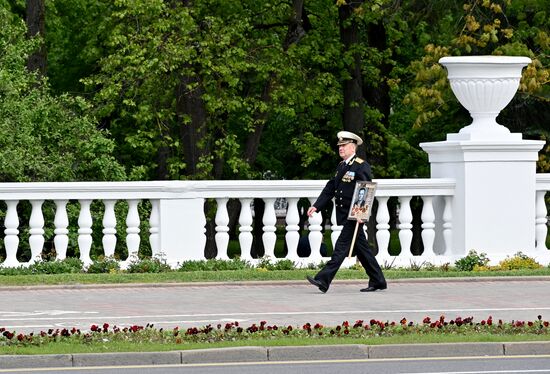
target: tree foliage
230 89
44 137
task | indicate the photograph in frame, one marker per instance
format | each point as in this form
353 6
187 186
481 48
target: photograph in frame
363 198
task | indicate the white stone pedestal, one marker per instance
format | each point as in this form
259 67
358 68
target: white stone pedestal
494 203
493 207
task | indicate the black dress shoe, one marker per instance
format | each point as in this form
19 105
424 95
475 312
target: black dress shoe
373 288
318 284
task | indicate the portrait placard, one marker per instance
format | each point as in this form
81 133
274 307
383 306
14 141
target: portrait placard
363 198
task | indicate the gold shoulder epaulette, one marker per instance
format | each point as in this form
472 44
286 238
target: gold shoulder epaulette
359 160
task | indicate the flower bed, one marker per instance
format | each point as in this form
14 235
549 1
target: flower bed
231 332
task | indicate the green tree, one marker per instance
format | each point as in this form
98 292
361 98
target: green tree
487 28
44 137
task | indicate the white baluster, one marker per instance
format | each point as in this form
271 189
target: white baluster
109 228
11 240
448 225
154 223
61 222
132 231
541 228
315 235
405 225
335 228
222 229
292 236
36 231
382 226
428 226
269 237
84 232
245 229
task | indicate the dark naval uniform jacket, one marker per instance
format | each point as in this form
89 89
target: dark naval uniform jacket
342 185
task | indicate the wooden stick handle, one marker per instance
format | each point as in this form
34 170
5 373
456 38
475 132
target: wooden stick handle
353 239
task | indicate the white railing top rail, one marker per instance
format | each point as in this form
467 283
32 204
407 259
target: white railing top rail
208 189
543 182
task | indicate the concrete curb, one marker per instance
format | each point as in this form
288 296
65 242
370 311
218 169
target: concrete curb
263 354
511 278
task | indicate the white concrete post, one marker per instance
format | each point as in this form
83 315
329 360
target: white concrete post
182 230
493 207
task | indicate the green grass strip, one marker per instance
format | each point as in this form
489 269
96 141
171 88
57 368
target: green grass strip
66 347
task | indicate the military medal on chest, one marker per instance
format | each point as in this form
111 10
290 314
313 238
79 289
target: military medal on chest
349 176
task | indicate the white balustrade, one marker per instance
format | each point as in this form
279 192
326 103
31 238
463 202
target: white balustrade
292 236
436 218
541 252
36 231
335 228
85 232
61 222
383 227
132 230
154 229
109 228
11 240
269 220
541 226
245 229
448 225
428 226
222 230
315 235
405 226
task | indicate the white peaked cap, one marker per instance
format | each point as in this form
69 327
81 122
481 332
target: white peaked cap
345 137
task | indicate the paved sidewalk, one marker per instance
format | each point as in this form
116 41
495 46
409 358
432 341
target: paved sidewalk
27 309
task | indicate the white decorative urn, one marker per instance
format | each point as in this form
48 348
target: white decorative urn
484 85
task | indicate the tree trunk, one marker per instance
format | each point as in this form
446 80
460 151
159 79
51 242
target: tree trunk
36 27
297 27
192 132
377 94
353 114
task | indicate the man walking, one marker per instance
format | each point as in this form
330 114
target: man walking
341 188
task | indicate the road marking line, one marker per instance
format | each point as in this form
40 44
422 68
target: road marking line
292 313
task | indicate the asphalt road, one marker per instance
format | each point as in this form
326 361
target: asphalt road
37 308
461 365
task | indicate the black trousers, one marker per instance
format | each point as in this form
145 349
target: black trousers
361 250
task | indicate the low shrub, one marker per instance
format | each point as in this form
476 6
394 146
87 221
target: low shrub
104 265
266 263
215 265
472 260
69 265
148 265
519 261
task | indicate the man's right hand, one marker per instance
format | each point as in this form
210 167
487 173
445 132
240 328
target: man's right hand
311 210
